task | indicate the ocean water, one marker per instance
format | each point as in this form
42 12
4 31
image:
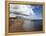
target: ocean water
38 24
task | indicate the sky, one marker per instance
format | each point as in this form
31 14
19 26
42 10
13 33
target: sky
38 10
33 11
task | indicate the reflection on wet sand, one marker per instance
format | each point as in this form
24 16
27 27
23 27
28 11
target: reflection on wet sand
20 25
24 25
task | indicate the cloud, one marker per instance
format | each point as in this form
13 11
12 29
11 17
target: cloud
24 9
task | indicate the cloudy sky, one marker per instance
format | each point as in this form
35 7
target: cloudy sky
28 11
